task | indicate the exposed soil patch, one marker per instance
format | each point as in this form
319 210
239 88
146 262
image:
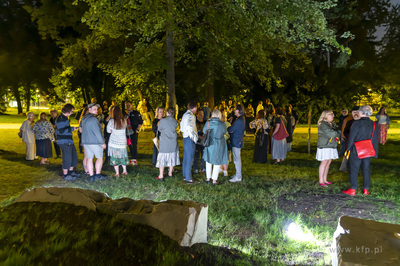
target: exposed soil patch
325 209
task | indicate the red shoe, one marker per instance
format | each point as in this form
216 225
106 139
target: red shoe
159 178
365 192
351 192
323 184
328 183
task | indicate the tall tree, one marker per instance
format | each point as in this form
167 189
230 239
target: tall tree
26 60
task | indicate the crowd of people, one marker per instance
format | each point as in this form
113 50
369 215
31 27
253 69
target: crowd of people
211 139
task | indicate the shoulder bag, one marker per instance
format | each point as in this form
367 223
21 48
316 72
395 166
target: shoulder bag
205 141
282 132
364 148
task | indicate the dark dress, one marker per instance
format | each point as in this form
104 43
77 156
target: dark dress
199 151
260 147
154 127
106 139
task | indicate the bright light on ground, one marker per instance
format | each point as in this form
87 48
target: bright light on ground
296 233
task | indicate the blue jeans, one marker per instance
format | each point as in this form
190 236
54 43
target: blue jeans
188 156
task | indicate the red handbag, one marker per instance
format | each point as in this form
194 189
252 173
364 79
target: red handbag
364 148
282 132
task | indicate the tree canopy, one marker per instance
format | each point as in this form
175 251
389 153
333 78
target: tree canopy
304 52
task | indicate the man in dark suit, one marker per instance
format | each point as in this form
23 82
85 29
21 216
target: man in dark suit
361 129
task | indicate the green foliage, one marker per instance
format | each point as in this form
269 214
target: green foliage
253 225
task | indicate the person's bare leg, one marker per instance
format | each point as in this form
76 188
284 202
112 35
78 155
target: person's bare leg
99 164
116 168
124 170
321 171
161 175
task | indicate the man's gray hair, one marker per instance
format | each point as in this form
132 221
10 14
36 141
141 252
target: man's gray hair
30 115
365 110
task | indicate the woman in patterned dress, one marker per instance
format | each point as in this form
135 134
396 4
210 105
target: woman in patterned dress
44 134
383 123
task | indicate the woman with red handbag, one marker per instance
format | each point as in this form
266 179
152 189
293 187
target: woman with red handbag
362 145
328 137
278 141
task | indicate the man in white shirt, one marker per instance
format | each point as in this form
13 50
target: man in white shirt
189 133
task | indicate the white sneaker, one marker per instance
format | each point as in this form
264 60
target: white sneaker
235 179
225 173
220 170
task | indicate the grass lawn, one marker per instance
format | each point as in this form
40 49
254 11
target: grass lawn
250 216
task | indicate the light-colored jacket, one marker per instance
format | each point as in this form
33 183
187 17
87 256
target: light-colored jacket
188 126
217 152
28 136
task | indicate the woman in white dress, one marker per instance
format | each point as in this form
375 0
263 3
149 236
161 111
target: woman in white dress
28 136
117 143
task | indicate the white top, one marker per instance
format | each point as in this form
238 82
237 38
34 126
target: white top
188 126
118 136
28 136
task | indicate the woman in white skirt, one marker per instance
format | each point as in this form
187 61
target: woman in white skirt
117 142
168 154
328 137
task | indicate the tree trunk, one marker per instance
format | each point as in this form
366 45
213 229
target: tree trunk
17 98
210 94
83 90
171 98
28 98
139 92
309 130
210 84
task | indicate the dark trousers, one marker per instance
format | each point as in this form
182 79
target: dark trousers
342 148
106 151
354 166
80 142
188 156
69 156
133 146
57 149
197 153
155 154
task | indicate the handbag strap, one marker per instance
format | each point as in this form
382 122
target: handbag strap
373 131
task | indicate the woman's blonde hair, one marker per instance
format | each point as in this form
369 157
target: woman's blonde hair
323 116
217 114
